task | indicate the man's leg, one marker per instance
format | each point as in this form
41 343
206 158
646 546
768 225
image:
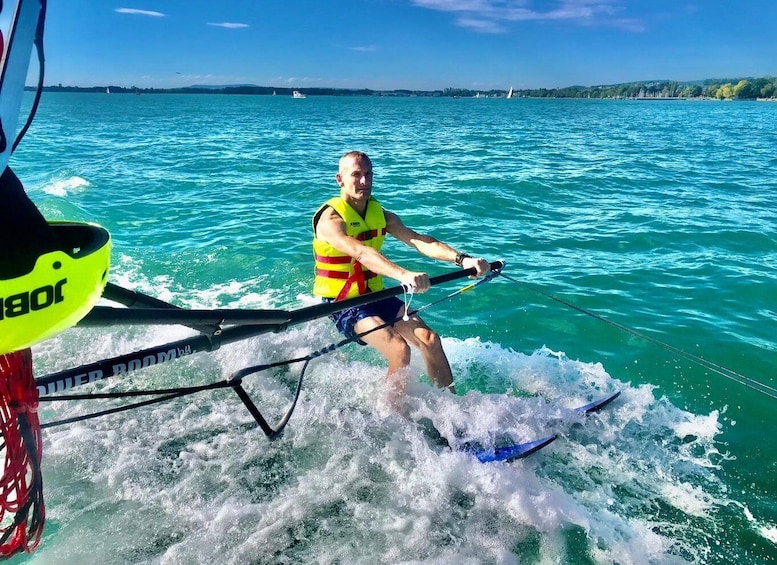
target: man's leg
394 348
428 342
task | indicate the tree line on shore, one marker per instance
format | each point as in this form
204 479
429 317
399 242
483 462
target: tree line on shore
723 89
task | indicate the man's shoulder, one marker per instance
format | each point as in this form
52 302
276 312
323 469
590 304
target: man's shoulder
391 216
326 213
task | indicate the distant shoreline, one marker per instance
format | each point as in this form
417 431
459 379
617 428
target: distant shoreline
760 89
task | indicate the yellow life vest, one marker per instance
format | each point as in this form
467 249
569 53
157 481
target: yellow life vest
338 275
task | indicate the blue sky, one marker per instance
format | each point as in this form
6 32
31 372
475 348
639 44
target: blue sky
417 44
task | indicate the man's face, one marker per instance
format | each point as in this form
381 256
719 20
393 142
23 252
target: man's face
355 178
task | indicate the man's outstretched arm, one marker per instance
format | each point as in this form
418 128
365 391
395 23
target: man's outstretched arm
431 247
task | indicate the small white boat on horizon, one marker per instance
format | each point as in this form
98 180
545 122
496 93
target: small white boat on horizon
297 94
510 93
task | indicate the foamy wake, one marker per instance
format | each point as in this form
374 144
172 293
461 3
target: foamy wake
65 187
195 481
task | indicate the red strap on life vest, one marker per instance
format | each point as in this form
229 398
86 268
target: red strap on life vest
369 234
342 275
332 274
358 278
359 275
339 260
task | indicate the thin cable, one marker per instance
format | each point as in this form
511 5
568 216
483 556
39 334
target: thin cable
162 396
38 42
730 374
407 289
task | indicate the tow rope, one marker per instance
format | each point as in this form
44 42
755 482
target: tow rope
732 375
22 511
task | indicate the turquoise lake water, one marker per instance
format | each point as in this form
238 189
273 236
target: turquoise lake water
660 217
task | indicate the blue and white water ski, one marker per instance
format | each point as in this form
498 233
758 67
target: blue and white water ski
597 404
510 451
506 453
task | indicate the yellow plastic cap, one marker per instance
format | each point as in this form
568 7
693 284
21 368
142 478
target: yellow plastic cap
61 289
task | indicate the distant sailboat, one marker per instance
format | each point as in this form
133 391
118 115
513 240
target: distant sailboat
107 90
510 93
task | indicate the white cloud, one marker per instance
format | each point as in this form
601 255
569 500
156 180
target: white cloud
228 25
365 48
491 16
299 81
481 25
140 12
